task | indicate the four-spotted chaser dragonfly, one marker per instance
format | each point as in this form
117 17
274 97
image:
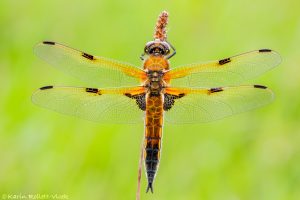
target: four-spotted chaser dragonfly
155 93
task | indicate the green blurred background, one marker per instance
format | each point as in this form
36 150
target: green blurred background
255 155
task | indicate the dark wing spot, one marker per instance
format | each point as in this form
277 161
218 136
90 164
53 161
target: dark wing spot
264 50
181 95
213 90
88 56
260 86
128 95
49 42
46 87
92 90
169 100
224 61
140 100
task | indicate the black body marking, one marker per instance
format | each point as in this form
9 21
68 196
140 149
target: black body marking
152 138
46 87
92 90
260 86
154 94
140 100
264 50
169 100
49 42
88 56
151 163
224 61
213 90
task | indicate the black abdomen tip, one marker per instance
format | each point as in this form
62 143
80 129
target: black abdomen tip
150 187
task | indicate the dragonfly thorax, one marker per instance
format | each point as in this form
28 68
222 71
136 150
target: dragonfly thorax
154 82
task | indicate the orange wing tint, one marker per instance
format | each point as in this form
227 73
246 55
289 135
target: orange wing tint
225 72
98 71
209 104
100 105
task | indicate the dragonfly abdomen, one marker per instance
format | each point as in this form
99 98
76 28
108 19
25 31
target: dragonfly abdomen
153 135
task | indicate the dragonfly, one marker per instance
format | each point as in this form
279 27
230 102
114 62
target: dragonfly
154 93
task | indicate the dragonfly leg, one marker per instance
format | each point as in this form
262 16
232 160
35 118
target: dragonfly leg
142 56
173 53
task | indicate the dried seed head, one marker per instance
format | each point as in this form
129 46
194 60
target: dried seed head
160 28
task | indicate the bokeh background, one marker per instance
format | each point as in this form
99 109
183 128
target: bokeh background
255 155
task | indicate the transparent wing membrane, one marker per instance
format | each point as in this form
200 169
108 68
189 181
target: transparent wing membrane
105 106
185 101
225 72
205 105
97 71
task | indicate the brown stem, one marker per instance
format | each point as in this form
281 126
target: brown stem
138 191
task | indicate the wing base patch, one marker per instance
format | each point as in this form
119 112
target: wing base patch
140 100
169 100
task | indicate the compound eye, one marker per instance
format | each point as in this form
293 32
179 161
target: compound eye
162 51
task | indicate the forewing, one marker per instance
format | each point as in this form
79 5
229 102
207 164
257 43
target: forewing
105 106
205 105
225 72
97 71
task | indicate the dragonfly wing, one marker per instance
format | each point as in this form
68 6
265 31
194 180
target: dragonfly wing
225 72
97 71
205 105
105 106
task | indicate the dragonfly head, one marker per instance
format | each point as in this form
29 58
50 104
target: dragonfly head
157 48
